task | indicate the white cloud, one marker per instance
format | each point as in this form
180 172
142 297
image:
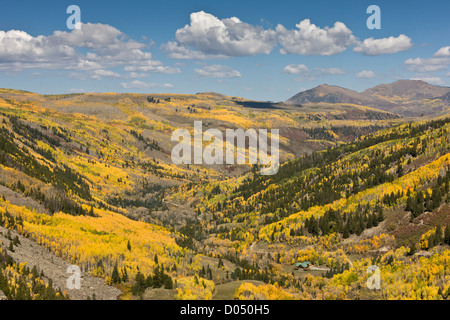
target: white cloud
18 47
309 39
442 52
430 79
100 74
306 75
137 75
94 48
426 65
207 37
177 51
331 71
136 84
439 62
217 71
296 69
366 74
153 67
373 47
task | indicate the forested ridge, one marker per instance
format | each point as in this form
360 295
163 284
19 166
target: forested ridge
103 196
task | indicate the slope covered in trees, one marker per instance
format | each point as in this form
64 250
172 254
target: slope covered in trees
342 209
100 191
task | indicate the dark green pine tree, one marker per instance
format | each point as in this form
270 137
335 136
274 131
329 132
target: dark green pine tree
292 232
447 234
313 227
437 197
380 213
168 283
220 263
438 235
209 272
139 284
346 233
16 241
409 204
115 277
412 250
202 271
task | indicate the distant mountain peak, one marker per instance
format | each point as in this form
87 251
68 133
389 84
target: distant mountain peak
408 89
328 94
403 95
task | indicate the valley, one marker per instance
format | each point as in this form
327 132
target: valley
87 179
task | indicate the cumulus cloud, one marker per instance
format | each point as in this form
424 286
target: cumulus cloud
94 48
296 69
209 36
366 74
217 71
374 47
442 52
18 48
136 84
439 62
308 39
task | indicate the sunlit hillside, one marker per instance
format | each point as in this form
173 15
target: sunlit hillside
89 178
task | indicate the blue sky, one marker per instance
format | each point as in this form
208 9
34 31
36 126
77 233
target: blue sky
263 50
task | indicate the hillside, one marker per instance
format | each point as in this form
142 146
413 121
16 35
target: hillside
87 179
403 97
333 94
382 200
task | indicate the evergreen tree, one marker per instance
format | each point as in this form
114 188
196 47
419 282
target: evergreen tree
168 283
437 197
438 235
115 277
313 227
412 250
447 234
16 241
346 231
11 246
139 284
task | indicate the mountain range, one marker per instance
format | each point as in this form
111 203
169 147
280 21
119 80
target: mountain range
404 97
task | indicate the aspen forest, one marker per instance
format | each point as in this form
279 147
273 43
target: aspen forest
87 180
